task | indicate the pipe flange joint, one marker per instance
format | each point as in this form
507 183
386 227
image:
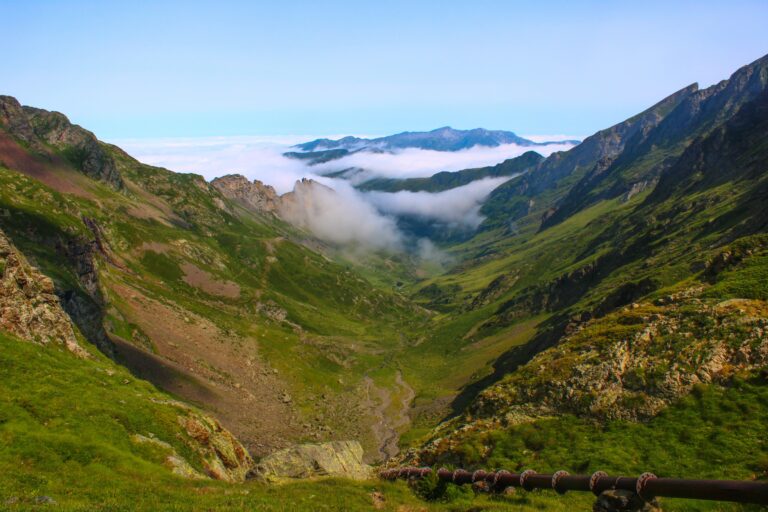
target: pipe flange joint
524 476
642 480
498 475
556 479
596 476
478 475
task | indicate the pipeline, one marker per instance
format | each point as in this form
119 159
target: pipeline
647 486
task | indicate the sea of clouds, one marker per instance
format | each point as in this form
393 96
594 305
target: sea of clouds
348 216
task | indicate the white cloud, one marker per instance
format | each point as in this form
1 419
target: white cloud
417 163
340 215
458 206
346 216
255 157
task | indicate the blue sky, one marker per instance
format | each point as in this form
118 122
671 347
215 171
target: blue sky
192 68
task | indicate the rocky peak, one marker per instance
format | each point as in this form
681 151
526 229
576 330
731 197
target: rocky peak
42 130
77 144
29 307
253 195
13 118
708 107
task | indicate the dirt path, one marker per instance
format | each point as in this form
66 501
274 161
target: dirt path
386 427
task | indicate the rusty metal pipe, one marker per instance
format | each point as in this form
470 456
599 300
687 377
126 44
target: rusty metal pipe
647 485
717 490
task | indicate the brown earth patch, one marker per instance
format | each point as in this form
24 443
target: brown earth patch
199 278
158 247
195 360
51 170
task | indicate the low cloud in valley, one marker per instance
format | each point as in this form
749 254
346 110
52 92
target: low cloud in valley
340 214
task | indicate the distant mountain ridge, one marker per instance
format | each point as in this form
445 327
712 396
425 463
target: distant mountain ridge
441 139
446 180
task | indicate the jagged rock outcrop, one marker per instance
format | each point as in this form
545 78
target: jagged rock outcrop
222 454
253 195
337 458
29 307
13 119
41 130
300 207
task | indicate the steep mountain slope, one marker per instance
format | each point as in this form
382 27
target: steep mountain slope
635 303
625 159
539 189
647 155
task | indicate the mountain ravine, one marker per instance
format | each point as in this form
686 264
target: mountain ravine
170 343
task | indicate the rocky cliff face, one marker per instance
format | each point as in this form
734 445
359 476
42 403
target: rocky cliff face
42 131
29 307
299 207
253 195
13 119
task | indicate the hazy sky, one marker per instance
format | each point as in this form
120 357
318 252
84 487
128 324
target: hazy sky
192 68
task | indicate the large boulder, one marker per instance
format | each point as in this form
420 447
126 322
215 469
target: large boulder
224 457
338 458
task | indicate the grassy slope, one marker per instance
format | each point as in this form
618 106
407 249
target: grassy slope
65 427
82 456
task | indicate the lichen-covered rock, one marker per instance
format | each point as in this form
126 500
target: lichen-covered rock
337 458
222 454
29 307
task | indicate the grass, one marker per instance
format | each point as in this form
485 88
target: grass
715 433
65 428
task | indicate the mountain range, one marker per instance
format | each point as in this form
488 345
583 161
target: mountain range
441 139
168 340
